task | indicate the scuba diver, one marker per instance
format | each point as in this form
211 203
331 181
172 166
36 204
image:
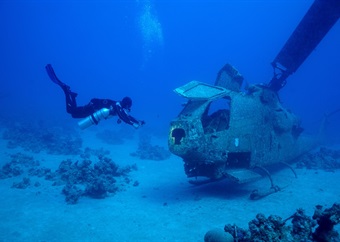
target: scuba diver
96 109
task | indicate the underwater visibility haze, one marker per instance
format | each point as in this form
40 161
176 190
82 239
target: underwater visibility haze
145 49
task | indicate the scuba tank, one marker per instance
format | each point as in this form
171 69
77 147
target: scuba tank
94 118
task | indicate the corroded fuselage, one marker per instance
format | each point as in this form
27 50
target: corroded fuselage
226 133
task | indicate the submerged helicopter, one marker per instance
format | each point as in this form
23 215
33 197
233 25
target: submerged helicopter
224 132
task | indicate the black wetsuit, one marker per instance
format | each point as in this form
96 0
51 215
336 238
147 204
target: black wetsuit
94 105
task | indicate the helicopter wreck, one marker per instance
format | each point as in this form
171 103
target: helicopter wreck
223 132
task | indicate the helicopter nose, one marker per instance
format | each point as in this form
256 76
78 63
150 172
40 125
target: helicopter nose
177 134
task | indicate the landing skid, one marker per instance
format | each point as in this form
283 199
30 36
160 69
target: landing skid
241 176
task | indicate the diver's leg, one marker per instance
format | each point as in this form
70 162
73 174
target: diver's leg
71 102
83 111
73 109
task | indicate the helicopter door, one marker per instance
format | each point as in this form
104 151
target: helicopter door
195 90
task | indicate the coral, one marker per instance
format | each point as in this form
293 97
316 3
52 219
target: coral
274 228
326 220
268 229
16 167
80 178
10 170
39 171
32 137
261 229
23 184
302 226
72 193
326 159
98 188
146 151
98 179
238 233
88 152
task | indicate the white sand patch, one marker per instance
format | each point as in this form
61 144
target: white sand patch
163 207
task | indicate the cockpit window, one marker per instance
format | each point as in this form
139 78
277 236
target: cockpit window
217 115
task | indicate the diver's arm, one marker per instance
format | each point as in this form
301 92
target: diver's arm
136 123
127 118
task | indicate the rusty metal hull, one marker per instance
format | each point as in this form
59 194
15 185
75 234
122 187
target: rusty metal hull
252 130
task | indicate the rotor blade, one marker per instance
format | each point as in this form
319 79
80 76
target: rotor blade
316 23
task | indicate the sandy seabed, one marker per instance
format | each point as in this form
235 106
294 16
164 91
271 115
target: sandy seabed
163 207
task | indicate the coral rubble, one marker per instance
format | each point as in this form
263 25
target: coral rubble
35 138
326 219
18 164
80 178
302 228
146 151
84 179
325 158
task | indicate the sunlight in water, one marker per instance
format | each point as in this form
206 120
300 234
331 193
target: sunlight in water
151 30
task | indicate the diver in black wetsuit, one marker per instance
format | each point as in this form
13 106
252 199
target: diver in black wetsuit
96 109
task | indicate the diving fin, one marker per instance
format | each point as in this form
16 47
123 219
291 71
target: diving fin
54 77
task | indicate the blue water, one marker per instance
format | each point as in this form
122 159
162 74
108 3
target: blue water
145 49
